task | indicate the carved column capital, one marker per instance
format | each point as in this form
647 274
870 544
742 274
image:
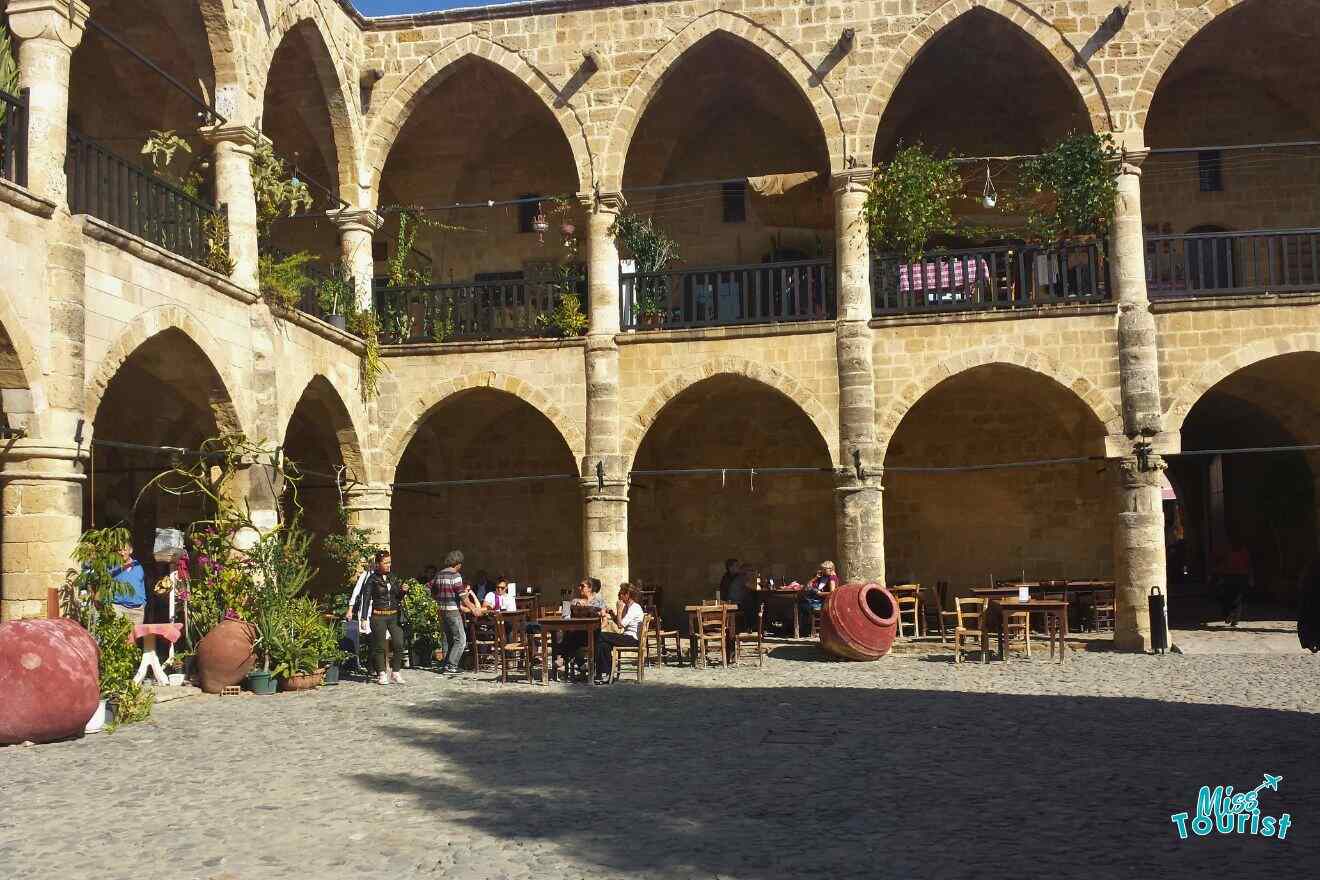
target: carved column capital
356 220
62 21
602 202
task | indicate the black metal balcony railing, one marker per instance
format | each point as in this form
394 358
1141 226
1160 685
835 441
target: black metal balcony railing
113 189
1005 276
761 293
13 136
1219 263
466 311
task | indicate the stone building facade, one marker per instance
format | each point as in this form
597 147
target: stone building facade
616 105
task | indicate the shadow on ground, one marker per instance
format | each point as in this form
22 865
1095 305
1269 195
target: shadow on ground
668 780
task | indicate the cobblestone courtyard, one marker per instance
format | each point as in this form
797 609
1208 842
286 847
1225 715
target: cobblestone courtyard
909 767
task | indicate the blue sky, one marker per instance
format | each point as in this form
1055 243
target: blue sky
399 7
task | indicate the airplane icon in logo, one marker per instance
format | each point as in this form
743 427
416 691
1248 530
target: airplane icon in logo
1271 782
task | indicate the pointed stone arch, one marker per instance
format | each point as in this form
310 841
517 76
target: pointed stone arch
1032 25
1189 24
658 67
1190 392
819 415
148 326
342 423
333 68
397 101
19 367
423 405
1108 419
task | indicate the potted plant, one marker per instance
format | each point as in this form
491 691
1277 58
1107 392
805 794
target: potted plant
334 296
331 655
652 251
295 643
421 624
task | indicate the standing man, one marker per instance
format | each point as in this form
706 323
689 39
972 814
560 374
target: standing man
133 603
449 594
383 604
356 600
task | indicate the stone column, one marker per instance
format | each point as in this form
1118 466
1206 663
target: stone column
369 508
1138 548
41 489
1139 530
356 228
48 32
234 194
604 480
859 511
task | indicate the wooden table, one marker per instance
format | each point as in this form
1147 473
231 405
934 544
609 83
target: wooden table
781 595
1056 608
552 625
992 593
731 632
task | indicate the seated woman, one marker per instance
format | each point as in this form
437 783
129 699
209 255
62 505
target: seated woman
587 602
629 618
813 597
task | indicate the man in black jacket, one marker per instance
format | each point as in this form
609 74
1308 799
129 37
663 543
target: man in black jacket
384 605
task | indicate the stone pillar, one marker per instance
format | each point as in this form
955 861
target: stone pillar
234 193
356 228
48 32
41 489
369 508
1139 531
1138 548
604 480
859 510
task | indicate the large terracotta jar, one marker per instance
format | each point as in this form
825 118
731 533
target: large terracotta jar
49 683
224 656
859 622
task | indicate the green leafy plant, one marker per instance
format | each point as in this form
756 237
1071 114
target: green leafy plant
566 318
399 268
348 550
91 589
1081 173
294 639
278 193
422 617
652 250
442 325
363 323
162 146
911 200
117 663
334 292
283 277
8 67
215 230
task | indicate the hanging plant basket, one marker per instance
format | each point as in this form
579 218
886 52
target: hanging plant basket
567 229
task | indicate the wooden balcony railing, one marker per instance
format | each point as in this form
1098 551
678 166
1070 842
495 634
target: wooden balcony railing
466 311
762 293
14 137
1228 263
1005 276
124 195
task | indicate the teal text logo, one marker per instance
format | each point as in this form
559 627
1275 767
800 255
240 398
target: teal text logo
1220 811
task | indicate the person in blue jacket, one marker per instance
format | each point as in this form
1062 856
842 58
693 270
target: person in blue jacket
132 603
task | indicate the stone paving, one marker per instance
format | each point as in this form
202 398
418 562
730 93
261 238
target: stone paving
909 767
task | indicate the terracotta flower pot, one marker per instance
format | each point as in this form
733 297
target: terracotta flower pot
859 622
49 684
304 682
224 656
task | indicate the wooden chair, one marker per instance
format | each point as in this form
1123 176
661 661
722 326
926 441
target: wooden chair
1017 628
909 617
711 631
482 643
660 637
512 646
1102 611
754 641
932 607
637 655
969 623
